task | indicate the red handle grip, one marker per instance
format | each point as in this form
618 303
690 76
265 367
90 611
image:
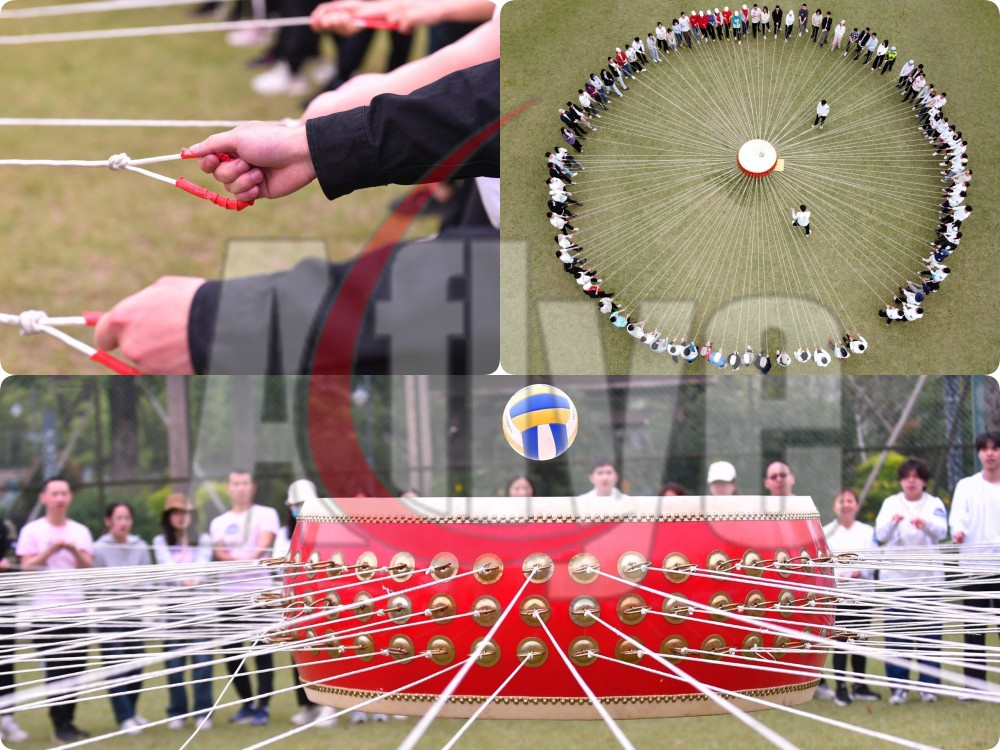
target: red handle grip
90 317
228 203
113 364
186 154
375 22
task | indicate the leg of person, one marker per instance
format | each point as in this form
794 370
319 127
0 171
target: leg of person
114 652
975 635
202 674
265 679
177 704
808 230
240 681
69 662
929 677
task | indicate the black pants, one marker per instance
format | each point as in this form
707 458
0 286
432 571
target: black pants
296 44
788 31
7 637
265 669
63 663
820 119
815 33
888 65
806 227
661 44
351 52
849 620
988 599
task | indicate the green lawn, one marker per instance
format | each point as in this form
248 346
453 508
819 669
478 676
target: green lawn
76 239
691 247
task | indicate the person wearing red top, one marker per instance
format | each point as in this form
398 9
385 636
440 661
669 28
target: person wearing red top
702 21
727 19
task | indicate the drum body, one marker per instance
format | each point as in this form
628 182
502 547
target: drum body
719 587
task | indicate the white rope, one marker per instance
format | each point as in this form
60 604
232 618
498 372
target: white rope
78 122
148 31
99 6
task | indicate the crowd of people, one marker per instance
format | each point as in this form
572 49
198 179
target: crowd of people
635 57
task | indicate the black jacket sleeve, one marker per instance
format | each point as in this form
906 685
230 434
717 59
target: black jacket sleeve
401 139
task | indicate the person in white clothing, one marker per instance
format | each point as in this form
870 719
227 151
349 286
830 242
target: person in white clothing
247 532
838 35
975 526
847 534
604 478
800 218
822 110
721 479
911 518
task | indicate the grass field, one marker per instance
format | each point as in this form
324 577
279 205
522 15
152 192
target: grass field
691 251
970 726
76 239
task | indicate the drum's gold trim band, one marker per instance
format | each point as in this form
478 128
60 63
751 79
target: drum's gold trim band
652 518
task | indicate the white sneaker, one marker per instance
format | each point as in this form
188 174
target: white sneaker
177 723
249 37
305 716
926 697
380 717
279 81
323 72
130 726
824 693
358 717
899 697
140 720
10 731
326 716
203 726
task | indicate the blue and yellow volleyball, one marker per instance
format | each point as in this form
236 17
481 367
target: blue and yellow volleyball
540 422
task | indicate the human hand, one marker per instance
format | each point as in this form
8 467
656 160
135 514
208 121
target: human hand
958 536
918 522
151 326
342 16
4 563
897 518
270 160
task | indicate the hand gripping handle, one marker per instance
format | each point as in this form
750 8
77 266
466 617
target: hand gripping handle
112 363
228 203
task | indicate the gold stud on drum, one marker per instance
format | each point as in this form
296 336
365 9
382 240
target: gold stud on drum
579 608
583 651
533 608
752 563
401 566
363 606
715 645
489 568
717 561
401 649
331 605
532 651
751 644
628 651
805 561
399 609
366 565
364 647
544 565
444 566
781 563
755 603
675 610
441 650
631 609
673 648
442 606
786 599
584 567
490 655
311 564
338 565
632 566
674 566
720 601
487 611
781 643
311 637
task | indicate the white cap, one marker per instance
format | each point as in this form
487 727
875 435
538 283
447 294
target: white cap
726 7
893 49
299 491
843 21
909 62
716 10
701 12
618 49
721 471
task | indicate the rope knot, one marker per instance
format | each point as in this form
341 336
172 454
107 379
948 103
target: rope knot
118 161
29 321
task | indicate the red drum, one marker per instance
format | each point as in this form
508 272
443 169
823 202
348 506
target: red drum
713 584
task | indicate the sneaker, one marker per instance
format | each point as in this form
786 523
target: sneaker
243 716
326 716
380 718
899 697
261 717
280 81
69 733
177 723
841 697
306 716
140 720
323 72
358 717
130 726
10 731
823 692
865 693
203 726
249 37
926 697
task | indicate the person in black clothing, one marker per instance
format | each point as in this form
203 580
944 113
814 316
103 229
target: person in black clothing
9 730
446 130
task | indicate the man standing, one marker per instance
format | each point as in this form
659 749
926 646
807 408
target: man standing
801 218
975 525
246 532
778 479
56 543
604 478
825 26
822 110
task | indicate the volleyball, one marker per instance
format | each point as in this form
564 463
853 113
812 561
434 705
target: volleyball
540 422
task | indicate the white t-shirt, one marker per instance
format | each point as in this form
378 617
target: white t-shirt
904 534
975 511
241 535
802 217
858 538
822 109
34 539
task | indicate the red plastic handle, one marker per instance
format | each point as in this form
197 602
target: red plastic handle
186 154
90 317
375 22
113 363
228 203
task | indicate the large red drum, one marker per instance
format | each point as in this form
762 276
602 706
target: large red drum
720 586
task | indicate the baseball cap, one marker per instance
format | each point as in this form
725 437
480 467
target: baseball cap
299 491
721 471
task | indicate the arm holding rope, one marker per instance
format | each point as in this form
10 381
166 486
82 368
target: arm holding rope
342 16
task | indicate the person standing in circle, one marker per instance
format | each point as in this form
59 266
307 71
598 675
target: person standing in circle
800 218
822 110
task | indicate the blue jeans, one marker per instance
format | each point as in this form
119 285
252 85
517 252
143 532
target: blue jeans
200 672
125 696
899 617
